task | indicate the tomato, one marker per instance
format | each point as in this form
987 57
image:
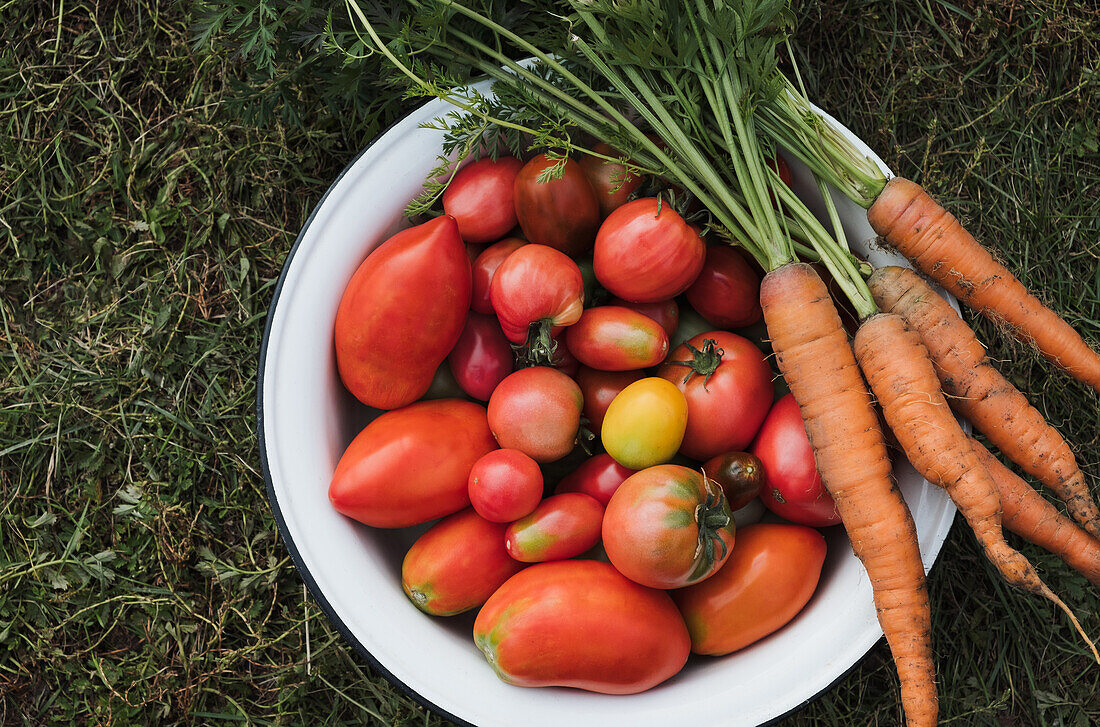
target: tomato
645 423
457 564
561 526
728 389
727 291
536 284
667 527
485 267
611 181
563 359
792 486
505 485
599 389
598 476
771 574
740 474
646 252
611 338
480 198
562 213
665 312
482 357
582 624
410 465
537 411
401 314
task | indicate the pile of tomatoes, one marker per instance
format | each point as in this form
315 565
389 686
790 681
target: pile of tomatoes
575 387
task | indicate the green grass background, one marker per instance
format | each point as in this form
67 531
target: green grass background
157 161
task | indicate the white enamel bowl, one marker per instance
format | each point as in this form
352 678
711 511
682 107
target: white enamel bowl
306 419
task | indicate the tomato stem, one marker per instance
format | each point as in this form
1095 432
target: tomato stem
704 361
540 347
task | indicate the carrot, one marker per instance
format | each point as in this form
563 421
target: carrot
919 228
975 389
816 360
1031 517
901 376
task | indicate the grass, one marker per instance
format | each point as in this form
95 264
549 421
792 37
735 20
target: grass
149 191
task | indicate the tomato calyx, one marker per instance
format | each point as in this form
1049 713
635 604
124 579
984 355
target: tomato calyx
539 348
704 361
712 515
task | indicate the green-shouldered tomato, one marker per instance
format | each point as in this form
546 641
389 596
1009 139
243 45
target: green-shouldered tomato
613 338
644 425
560 527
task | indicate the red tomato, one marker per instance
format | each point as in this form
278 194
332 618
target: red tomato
536 284
401 314
563 359
505 485
646 252
792 486
598 477
728 393
740 474
727 291
561 527
482 357
665 312
600 388
485 267
411 465
537 411
667 527
564 624
770 576
480 198
611 181
611 338
562 213
457 564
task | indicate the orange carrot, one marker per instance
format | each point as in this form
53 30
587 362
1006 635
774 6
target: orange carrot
816 359
979 392
1031 517
901 376
919 228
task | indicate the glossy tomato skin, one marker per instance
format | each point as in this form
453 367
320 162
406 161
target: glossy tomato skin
599 476
724 412
485 267
505 485
612 338
562 213
599 389
562 624
611 181
411 465
740 474
665 312
457 564
769 577
645 423
727 291
792 486
481 199
646 252
656 521
537 411
401 314
481 357
536 282
561 526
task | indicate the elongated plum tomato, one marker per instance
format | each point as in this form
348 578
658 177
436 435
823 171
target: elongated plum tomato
727 291
480 198
611 181
665 312
599 476
411 465
563 212
646 252
561 526
600 388
481 357
505 485
792 486
457 564
485 267
768 579
537 411
667 527
581 624
536 284
728 389
645 423
611 338
401 314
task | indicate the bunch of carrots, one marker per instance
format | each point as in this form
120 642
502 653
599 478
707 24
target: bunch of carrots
693 91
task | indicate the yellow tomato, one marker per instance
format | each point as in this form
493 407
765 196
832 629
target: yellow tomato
645 423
